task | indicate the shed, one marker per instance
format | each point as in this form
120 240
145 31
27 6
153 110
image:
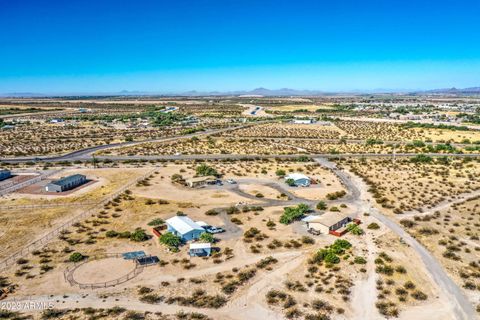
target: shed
200 181
5 174
299 179
184 227
303 121
327 222
66 183
200 249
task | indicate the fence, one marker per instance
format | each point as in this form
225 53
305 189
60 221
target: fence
41 242
68 273
44 206
15 187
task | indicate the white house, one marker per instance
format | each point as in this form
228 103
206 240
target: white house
184 227
327 222
300 180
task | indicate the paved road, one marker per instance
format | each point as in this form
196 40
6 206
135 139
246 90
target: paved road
463 309
86 154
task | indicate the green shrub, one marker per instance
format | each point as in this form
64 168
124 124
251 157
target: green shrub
170 240
156 222
291 214
76 257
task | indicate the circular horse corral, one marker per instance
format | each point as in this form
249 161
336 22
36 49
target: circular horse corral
102 271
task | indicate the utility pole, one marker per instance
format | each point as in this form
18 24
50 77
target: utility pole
94 161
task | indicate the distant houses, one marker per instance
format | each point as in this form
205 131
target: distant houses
298 179
184 227
5 174
66 183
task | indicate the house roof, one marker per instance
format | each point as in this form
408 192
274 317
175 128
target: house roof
183 224
200 179
309 218
296 176
327 219
202 223
66 180
200 245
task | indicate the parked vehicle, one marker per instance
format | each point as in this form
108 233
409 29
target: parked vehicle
231 181
214 230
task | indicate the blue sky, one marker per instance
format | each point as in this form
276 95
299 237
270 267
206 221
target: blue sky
167 46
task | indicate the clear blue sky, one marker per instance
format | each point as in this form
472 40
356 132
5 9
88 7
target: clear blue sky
165 46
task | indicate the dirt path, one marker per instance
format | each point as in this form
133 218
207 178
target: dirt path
363 301
462 308
245 305
248 305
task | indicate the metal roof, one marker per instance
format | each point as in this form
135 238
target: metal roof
297 176
200 245
69 179
183 224
327 219
202 223
203 178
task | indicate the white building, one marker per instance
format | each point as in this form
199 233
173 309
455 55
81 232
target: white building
303 121
300 180
184 227
328 222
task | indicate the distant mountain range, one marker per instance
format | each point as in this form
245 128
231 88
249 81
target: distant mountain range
473 90
283 92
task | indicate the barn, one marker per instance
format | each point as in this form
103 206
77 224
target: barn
66 183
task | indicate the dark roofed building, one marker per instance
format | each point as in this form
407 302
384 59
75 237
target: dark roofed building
5 174
66 183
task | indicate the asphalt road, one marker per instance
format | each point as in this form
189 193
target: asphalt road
86 154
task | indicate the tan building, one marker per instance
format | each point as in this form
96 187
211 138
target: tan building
328 222
200 181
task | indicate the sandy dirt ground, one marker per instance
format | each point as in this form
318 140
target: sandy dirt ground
103 270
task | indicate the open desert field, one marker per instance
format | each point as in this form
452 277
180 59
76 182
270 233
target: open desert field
451 233
260 265
288 130
403 185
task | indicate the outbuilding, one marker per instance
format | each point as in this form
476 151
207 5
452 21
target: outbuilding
184 227
5 174
328 223
299 179
201 181
200 249
303 121
66 183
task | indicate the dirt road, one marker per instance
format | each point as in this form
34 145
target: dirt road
462 307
